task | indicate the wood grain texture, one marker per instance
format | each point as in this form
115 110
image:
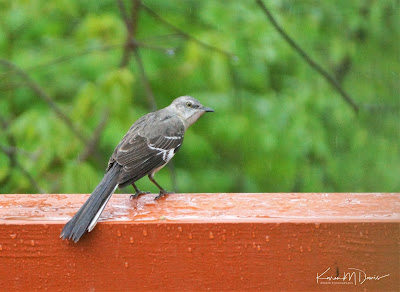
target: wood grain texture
204 242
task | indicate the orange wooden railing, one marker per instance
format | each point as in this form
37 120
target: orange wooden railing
291 242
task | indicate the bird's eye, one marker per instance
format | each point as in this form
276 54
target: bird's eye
189 104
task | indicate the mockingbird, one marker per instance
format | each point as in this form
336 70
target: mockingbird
147 147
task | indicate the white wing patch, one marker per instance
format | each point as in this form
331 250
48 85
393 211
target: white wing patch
166 154
172 138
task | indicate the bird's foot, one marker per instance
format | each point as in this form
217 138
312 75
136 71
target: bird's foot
137 194
162 194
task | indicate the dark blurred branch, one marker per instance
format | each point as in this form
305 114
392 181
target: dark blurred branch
91 146
186 35
11 153
44 96
307 58
145 81
342 69
131 23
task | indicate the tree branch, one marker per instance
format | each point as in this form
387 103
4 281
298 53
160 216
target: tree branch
308 59
44 96
186 35
131 23
11 153
91 146
133 46
149 92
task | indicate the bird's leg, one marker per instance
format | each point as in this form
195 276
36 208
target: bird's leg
137 192
162 193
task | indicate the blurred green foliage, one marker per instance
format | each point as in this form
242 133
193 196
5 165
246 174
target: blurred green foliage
278 126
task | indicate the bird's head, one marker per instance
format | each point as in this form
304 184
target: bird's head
189 109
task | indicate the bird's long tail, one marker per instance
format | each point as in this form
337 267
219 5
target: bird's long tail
87 216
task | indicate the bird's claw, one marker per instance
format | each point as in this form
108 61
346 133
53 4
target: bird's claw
137 194
162 194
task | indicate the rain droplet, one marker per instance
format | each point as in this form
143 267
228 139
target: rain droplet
190 236
145 232
131 239
211 235
317 225
223 237
1 247
289 257
309 248
258 247
180 229
253 234
13 235
162 217
267 238
119 232
189 249
170 52
235 59
320 244
301 248
32 242
126 264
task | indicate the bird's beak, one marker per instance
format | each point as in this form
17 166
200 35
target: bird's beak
207 109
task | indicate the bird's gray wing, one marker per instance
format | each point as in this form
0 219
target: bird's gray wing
140 155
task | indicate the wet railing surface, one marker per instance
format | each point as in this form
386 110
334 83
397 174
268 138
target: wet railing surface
222 241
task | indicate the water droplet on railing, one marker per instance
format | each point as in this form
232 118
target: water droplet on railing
211 235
